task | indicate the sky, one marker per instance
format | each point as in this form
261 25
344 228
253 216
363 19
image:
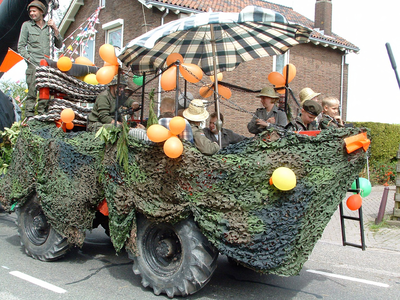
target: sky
374 94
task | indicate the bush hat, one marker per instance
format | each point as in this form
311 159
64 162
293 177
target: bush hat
312 107
307 94
196 111
39 5
114 81
268 92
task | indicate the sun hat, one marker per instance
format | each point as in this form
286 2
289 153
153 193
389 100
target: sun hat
312 107
268 92
114 81
196 111
39 5
307 94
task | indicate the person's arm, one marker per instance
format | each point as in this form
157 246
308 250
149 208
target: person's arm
23 41
235 137
291 126
58 40
281 119
103 109
187 133
253 126
204 144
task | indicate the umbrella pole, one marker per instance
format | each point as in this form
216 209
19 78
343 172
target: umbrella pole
393 62
286 88
216 95
143 91
117 98
177 88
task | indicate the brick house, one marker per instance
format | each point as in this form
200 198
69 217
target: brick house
320 64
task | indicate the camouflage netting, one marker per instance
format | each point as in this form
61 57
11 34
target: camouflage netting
228 193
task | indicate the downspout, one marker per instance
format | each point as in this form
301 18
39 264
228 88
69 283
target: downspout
342 83
159 71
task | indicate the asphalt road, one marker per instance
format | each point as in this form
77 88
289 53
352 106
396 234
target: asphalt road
96 272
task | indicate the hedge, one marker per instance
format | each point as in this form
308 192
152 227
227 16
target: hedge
385 140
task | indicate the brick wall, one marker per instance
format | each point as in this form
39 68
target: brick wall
317 67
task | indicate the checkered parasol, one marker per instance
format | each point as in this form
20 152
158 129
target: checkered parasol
253 33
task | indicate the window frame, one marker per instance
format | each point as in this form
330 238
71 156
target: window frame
114 26
93 39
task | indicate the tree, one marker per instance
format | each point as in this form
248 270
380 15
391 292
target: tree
16 90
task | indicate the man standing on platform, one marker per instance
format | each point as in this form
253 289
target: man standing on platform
34 45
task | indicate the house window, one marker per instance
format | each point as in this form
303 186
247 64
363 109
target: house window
280 61
114 33
87 49
114 37
102 3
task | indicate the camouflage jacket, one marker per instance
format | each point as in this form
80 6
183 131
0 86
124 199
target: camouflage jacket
261 113
327 121
104 108
227 136
298 125
202 143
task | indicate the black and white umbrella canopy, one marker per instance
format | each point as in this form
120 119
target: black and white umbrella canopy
253 33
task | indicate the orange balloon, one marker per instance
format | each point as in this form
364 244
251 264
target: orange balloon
105 74
168 79
276 78
115 67
224 91
64 64
69 126
191 72
220 76
173 147
354 202
280 89
292 72
177 125
158 133
206 91
81 60
107 53
67 115
173 57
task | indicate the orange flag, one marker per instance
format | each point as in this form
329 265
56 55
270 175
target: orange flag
10 60
356 142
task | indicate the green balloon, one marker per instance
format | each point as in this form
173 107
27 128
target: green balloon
365 186
138 80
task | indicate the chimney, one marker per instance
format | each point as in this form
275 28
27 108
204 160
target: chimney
323 16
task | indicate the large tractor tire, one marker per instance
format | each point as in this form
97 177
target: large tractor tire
38 237
176 260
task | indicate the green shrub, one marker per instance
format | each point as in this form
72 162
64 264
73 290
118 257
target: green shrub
385 141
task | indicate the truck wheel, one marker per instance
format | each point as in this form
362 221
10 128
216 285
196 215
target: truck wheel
38 237
176 260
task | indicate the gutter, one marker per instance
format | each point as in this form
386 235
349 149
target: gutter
341 84
333 45
69 16
175 8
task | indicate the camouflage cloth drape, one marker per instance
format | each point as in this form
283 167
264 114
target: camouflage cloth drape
228 193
